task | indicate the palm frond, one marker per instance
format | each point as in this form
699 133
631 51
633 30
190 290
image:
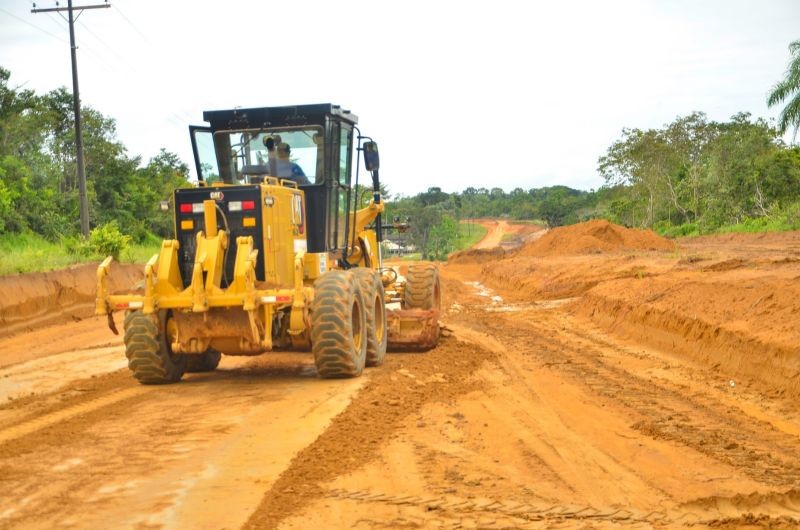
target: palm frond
790 116
779 92
789 86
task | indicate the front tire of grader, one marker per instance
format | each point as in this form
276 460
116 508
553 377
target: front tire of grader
423 289
205 362
147 348
338 325
375 305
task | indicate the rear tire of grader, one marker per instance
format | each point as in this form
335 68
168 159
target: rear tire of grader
206 362
423 290
338 325
375 306
149 355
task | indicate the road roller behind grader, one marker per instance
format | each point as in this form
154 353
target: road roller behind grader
274 251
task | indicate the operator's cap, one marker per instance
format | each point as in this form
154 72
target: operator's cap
271 141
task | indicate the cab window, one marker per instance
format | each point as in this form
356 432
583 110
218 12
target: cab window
345 139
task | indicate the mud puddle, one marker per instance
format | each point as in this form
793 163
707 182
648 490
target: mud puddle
497 304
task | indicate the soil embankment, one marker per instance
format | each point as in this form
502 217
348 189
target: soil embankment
45 298
731 302
596 378
501 236
594 237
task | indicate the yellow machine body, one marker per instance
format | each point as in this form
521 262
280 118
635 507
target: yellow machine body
265 257
241 319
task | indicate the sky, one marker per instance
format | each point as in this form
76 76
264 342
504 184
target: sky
456 93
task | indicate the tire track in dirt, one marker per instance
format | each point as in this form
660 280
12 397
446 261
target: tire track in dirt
401 387
660 408
41 422
23 418
422 500
459 512
47 374
106 451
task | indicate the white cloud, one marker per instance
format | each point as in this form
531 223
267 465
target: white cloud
510 94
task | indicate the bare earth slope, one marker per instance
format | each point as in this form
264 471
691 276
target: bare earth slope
578 385
45 298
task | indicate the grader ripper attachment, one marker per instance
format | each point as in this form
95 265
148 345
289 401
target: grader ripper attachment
272 252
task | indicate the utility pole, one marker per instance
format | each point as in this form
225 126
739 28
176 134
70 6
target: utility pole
76 102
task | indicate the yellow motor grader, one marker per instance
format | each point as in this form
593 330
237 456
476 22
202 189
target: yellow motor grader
271 252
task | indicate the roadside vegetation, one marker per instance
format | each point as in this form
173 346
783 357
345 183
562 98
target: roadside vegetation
39 204
30 252
692 176
469 234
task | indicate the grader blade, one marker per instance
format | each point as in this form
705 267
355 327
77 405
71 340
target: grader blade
412 329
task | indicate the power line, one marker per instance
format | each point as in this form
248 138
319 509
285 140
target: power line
57 24
178 117
106 47
76 103
34 26
93 56
131 24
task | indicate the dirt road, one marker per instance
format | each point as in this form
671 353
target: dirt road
502 233
534 412
494 235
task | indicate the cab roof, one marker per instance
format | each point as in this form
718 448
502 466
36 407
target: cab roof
265 117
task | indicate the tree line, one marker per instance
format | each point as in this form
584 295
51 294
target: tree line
38 184
693 175
702 175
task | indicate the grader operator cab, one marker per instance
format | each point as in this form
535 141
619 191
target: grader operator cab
273 252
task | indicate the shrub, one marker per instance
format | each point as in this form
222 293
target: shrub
107 240
76 246
666 229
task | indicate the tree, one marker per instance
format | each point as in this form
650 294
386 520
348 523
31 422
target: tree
788 89
38 188
694 171
442 239
559 206
641 160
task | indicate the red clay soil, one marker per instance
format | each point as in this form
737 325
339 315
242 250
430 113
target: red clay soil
46 298
567 261
615 387
731 302
594 237
500 237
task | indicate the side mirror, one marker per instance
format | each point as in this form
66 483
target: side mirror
371 159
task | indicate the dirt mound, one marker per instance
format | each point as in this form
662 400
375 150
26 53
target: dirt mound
594 237
743 322
47 298
477 255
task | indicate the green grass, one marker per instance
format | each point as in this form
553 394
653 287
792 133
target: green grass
539 222
469 234
140 253
673 231
777 223
21 253
760 224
